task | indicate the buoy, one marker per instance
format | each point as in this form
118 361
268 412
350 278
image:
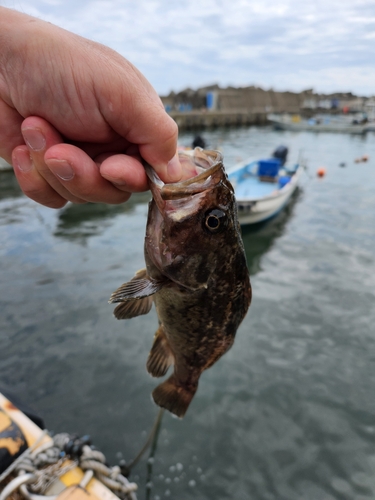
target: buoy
363 158
321 172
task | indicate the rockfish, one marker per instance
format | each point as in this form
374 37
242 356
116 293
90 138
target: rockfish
196 274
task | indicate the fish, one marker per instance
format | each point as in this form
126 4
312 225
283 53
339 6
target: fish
196 275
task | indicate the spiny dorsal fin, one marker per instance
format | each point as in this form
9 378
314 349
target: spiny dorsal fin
133 307
137 288
160 357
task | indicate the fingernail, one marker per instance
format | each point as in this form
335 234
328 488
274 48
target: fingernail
34 138
23 160
174 169
61 168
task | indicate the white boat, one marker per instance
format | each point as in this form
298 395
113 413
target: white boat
317 124
262 188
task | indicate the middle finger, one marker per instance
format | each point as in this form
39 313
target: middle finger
39 136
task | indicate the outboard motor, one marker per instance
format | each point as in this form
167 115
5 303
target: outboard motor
199 142
281 153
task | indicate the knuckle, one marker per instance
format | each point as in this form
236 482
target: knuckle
171 131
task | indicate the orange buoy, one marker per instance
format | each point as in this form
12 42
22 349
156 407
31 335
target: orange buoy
363 158
321 172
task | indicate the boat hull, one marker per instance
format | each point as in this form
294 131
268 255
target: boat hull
67 486
303 126
259 200
253 211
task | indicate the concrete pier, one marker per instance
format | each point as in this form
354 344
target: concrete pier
213 106
189 120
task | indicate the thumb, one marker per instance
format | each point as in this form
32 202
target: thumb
160 151
156 134
134 110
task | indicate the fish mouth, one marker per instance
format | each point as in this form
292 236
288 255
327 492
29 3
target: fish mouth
206 163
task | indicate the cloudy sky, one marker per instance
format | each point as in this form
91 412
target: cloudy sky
327 45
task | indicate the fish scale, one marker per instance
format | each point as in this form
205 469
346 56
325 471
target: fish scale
196 275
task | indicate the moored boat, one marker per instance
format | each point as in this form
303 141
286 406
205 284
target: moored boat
34 465
317 124
263 187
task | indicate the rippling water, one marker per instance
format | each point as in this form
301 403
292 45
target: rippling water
288 413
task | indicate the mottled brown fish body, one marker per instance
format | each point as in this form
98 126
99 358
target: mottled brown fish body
196 274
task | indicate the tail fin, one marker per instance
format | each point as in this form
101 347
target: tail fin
174 397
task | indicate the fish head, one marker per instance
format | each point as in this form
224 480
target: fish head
192 225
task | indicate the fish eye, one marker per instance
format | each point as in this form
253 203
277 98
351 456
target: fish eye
215 220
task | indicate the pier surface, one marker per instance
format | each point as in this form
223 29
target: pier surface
209 119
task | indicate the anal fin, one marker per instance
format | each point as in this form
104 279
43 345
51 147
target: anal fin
161 356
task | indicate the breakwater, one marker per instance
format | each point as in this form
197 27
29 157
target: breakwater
197 119
213 106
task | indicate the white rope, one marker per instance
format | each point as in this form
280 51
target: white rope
40 467
15 484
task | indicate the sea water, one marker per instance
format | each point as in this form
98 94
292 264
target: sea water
288 413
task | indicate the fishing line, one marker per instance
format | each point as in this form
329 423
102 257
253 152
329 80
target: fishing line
152 438
150 461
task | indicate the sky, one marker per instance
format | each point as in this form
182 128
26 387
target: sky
326 45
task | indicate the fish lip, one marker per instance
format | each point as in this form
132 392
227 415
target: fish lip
163 192
171 199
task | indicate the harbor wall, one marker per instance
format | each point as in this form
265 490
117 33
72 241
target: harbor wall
197 119
214 106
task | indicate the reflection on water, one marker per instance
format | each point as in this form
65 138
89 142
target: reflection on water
259 238
9 187
287 414
90 219
79 222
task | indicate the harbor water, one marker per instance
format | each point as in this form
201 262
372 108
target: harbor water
288 413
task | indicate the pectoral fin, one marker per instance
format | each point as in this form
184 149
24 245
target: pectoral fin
137 288
161 356
133 307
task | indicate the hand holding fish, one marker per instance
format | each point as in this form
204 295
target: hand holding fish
76 117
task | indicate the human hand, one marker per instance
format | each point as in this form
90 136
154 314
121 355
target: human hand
77 118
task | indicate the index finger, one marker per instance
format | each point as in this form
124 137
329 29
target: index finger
10 130
136 112
156 134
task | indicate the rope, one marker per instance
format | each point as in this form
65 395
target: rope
39 468
150 439
15 484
